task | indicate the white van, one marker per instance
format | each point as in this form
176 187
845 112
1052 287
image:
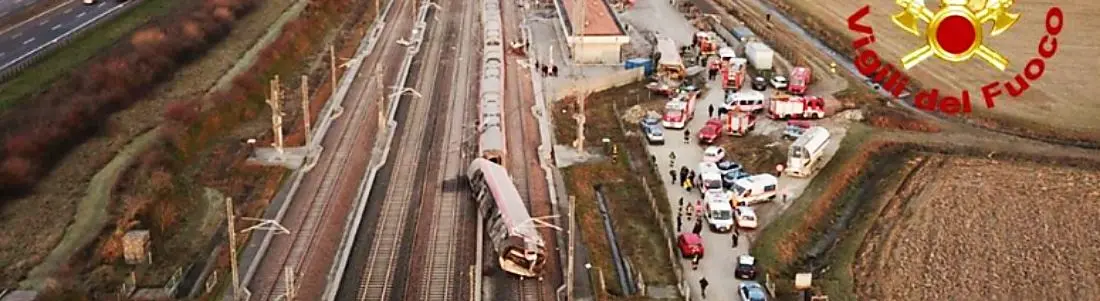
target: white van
745 101
757 188
726 54
719 216
711 177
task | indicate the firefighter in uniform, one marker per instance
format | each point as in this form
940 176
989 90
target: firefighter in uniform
713 69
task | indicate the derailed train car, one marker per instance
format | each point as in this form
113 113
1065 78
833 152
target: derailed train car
514 235
491 134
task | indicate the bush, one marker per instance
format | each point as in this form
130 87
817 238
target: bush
41 132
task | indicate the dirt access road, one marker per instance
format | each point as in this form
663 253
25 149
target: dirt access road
318 211
1028 236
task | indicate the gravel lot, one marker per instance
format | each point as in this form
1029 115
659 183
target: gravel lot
980 229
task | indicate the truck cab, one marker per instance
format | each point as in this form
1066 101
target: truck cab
755 189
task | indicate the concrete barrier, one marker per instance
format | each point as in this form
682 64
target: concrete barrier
597 84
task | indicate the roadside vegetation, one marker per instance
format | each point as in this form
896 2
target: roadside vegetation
174 187
635 220
92 43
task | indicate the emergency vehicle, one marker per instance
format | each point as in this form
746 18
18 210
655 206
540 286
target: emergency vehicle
710 132
711 178
733 74
680 109
785 106
706 42
806 151
799 80
757 188
739 123
747 101
726 54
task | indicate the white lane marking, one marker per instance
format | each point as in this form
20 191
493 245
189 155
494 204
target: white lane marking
17 35
28 41
101 4
62 36
44 22
81 15
39 15
67 11
55 27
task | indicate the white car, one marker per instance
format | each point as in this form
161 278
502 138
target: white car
89 2
779 82
751 291
746 217
713 154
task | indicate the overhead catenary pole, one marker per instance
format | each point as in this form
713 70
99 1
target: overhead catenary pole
305 108
332 67
572 248
379 86
229 216
276 116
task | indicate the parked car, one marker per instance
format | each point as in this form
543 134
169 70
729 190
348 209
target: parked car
746 267
89 2
714 154
795 129
711 131
752 291
746 217
690 245
759 83
779 82
727 165
731 176
651 127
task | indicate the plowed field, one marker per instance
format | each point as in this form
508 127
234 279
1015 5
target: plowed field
979 229
1063 99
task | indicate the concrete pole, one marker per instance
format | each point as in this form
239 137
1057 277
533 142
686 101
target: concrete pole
380 86
305 107
229 216
276 115
572 248
579 143
332 67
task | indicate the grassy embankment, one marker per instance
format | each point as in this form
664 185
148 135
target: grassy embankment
91 43
640 236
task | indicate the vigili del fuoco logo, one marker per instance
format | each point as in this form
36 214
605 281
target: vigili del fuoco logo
954 33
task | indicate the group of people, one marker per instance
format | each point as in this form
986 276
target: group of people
687 178
547 70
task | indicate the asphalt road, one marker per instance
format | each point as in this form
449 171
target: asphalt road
11 7
19 42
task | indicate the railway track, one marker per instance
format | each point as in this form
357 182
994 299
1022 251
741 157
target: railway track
438 243
523 140
326 188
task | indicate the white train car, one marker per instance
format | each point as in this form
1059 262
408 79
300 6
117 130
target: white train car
519 247
491 135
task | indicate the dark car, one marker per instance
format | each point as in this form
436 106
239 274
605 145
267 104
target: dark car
746 267
731 176
759 83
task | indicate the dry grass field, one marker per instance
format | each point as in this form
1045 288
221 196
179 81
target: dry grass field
980 229
1063 100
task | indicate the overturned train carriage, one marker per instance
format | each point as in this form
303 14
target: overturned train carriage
491 132
519 246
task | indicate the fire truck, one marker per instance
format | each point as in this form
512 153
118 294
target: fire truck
785 106
706 42
739 123
680 109
733 74
799 80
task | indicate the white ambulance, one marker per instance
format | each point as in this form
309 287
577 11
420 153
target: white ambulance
755 189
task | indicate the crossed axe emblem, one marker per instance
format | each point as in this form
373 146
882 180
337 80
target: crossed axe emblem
914 11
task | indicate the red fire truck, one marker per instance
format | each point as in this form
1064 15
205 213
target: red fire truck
784 106
799 80
680 109
707 42
739 123
733 74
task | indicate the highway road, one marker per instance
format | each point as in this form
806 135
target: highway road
20 42
11 7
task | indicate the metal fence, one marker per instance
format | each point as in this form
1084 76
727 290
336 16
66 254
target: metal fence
28 59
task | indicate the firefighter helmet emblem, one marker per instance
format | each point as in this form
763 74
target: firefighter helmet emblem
954 33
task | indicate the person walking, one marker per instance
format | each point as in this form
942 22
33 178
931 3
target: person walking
703 283
683 174
710 110
691 175
687 136
679 222
672 174
735 237
698 227
699 207
671 159
681 201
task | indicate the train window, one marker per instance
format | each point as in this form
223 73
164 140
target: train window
493 60
493 43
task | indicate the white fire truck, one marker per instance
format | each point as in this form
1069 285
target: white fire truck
786 106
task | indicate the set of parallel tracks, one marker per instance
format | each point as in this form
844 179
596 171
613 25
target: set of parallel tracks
410 248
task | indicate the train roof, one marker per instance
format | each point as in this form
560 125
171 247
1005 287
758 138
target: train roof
513 212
